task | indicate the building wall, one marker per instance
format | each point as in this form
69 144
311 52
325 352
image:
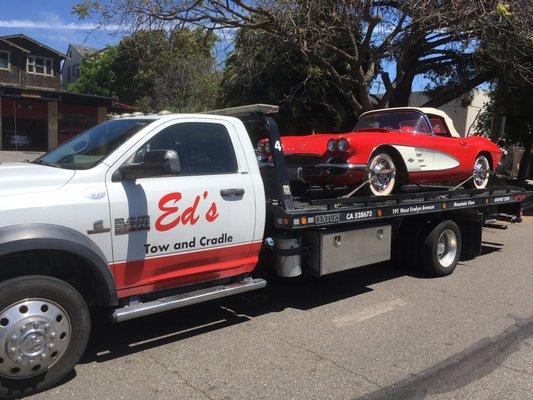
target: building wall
462 116
73 59
18 75
11 76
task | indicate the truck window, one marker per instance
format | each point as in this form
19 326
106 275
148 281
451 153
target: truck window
87 149
203 148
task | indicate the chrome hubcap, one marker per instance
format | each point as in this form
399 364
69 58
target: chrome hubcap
481 172
34 334
380 180
447 248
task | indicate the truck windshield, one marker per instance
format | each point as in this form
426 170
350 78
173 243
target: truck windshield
87 149
398 120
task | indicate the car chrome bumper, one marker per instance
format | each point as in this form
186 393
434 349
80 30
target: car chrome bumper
346 166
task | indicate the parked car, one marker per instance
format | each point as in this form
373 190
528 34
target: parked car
388 148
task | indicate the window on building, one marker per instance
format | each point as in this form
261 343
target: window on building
75 72
68 73
73 119
40 66
203 148
4 60
24 125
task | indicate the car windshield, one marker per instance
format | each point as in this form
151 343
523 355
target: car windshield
87 149
397 120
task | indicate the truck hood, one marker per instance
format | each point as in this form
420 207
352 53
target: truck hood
23 178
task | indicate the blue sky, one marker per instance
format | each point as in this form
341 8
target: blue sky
52 23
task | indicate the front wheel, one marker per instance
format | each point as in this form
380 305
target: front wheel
44 329
382 174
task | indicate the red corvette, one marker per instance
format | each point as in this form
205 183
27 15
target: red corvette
388 148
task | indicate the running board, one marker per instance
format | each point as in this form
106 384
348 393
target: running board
185 299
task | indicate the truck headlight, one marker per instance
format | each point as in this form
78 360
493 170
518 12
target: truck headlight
332 145
343 145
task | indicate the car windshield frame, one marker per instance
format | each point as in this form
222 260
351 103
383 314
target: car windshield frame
421 114
103 139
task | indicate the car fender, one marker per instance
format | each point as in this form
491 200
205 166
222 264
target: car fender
27 237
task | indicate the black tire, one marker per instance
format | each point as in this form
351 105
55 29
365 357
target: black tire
434 258
405 249
77 314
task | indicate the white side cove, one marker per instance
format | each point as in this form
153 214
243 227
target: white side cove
423 159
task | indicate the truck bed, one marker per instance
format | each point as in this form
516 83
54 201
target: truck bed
318 210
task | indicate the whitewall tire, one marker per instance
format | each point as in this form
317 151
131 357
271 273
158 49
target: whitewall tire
382 174
481 172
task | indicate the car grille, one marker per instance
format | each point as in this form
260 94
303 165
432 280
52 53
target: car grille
306 162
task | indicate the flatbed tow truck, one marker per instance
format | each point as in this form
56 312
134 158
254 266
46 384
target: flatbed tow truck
148 213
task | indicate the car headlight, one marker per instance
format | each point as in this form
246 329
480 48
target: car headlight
343 145
332 145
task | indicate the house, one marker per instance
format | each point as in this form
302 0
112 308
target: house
36 114
71 66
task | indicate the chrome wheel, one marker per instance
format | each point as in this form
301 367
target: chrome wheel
34 334
447 248
481 172
382 175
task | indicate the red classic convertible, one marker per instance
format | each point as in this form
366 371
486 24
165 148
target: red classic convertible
388 148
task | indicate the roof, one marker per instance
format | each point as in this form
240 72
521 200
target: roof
425 110
13 44
84 50
9 38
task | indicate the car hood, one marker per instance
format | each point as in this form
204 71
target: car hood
308 144
24 178
317 144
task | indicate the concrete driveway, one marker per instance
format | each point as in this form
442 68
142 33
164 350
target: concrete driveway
373 333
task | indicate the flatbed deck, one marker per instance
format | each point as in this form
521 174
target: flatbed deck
325 212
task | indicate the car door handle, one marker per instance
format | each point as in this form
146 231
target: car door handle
462 143
232 192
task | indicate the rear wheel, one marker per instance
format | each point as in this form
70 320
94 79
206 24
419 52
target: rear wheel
440 248
382 174
44 329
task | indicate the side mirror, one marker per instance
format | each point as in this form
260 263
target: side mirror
155 163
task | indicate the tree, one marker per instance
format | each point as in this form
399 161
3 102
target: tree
155 70
258 70
96 74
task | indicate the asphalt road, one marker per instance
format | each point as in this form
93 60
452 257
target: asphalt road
373 333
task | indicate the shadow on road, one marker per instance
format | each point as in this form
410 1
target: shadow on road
109 341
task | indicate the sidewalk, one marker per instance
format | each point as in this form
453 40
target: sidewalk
18 156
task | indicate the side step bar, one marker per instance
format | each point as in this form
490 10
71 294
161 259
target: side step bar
184 299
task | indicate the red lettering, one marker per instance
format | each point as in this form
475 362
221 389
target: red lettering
171 217
188 215
212 213
160 225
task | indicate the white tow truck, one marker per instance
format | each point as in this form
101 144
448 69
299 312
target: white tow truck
143 214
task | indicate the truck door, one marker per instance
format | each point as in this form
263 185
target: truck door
191 227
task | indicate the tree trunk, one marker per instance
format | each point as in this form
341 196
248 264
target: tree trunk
402 93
